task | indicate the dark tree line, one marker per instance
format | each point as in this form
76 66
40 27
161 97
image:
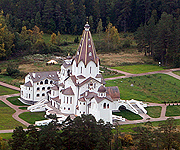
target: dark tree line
68 16
85 133
161 39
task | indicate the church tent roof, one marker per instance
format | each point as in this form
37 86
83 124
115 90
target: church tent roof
86 51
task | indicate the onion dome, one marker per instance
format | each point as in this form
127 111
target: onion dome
101 89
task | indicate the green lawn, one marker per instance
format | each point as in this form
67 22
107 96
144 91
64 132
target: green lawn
7 91
172 111
6 136
6 119
128 115
23 108
154 111
135 69
15 101
31 117
155 88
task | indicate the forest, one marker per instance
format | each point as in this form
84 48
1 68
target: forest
155 24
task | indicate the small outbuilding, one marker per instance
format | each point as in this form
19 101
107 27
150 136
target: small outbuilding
51 62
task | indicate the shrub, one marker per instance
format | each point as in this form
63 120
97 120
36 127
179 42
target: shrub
12 69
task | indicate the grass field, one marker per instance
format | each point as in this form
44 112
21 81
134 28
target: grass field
154 111
7 121
135 69
6 136
15 101
155 88
7 91
128 115
31 117
172 111
129 127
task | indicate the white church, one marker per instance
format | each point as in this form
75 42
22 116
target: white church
78 88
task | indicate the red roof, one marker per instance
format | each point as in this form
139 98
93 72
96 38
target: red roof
68 91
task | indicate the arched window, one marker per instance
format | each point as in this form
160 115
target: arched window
81 69
41 82
64 99
43 88
38 89
37 95
29 96
67 100
107 105
51 82
90 70
43 94
46 81
48 88
104 105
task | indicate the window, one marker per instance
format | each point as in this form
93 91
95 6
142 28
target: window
81 69
37 83
48 88
64 99
43 94
64 108
68 108
41 82
107 105
43 88
38 89
94 85
80 103
29 95
90 70
51 82
37 95
46 81
70 100
22 92
29 88
83 112
84 103
67 100
104 105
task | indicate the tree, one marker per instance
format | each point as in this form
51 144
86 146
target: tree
85 133
53 38
6 38
112 37
49 138
168 130
12 69
18 138
99 28
32 140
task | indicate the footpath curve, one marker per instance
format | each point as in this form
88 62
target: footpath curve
16 108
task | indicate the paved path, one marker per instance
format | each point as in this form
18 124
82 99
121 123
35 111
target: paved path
16 108
127 75
9 86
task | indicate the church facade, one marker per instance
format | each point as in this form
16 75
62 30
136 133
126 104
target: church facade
78 88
